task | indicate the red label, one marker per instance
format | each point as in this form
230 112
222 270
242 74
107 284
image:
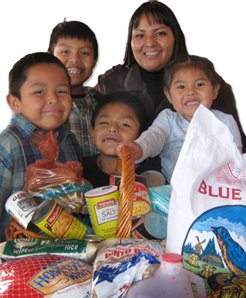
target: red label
54 214
105 203
19 196
112 180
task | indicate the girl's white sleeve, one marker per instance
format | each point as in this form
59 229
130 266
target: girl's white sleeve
151 141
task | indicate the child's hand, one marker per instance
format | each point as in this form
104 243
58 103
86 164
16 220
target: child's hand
136 149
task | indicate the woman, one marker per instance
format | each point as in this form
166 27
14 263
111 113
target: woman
154 27
154 39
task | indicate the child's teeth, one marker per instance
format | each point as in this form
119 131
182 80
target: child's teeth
74 70
192 102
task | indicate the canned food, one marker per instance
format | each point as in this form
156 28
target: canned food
55 221
154 178
152 225
95 239
136 218
103 209
21 206
115 177
141 200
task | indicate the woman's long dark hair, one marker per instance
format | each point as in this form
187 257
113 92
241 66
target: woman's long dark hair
159 13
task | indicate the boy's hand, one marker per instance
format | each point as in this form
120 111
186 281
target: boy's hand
136 149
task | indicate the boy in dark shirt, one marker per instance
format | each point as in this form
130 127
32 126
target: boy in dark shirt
118 116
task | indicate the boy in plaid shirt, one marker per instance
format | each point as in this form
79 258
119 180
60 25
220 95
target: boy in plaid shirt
75 44
39 95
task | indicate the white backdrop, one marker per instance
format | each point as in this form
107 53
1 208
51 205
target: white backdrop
213 28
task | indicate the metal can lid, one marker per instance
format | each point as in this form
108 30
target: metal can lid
116 174
93 238
154 178
155 224
141 179
42 210
101 191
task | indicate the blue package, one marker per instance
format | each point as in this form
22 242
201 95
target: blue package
160 198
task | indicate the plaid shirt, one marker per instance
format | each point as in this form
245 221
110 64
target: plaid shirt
16 153
79 121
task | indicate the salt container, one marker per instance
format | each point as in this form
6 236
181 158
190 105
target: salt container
170 280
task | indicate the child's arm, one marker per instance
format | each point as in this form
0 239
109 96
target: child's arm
149 144
136 149
5 192
230 122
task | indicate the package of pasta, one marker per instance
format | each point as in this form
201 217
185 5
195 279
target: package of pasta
49 178
45 276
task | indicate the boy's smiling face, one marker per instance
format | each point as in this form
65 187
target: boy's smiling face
115 123
45 97
78 57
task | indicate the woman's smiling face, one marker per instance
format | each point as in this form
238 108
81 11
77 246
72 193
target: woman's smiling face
152 44
115 123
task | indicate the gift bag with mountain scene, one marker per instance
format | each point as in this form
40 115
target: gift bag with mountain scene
207 212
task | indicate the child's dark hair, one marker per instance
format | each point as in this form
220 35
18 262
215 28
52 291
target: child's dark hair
73 29
19 72
128 99
190 62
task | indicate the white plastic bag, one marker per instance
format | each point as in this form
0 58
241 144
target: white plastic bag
207 212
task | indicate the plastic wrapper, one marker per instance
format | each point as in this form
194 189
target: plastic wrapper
73 248
45 276
49 178
120 262
206 219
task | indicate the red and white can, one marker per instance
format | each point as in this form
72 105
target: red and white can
141 200
21 206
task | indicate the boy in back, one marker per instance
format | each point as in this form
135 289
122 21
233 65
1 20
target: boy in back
39 95
75 44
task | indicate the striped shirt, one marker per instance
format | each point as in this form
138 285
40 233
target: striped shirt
16 153
79 121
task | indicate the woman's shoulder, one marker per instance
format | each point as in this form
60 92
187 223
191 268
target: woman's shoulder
117 69
114 79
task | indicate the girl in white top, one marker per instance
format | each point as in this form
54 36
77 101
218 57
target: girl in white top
189 82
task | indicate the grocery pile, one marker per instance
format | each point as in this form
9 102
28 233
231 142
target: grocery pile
70 240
